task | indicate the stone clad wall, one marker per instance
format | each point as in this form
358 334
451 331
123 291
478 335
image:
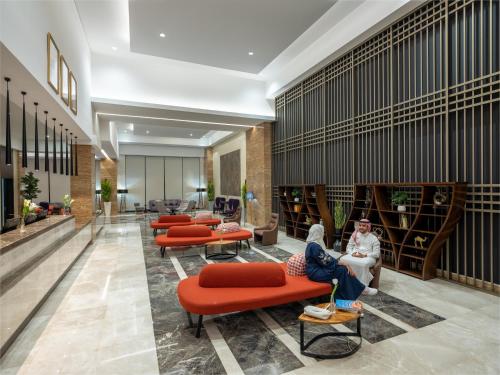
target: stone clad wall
83 185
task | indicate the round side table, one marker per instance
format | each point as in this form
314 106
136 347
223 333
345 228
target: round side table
340 317
221 254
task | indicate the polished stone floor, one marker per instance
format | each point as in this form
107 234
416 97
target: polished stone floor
116 312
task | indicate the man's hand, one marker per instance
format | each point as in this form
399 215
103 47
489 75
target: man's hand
358 255
349 269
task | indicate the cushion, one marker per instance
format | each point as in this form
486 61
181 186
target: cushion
242 275
174 218
296 265
190 231
229 227
203 216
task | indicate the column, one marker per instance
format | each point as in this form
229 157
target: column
109 171
83 185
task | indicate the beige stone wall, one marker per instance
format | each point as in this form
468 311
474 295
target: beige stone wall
109 170
258 166
83 185
209 164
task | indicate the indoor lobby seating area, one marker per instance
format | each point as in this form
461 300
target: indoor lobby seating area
249 187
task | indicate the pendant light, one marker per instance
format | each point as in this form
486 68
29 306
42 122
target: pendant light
46 143
61 153
67 161
71 153
76 155
54 151
37 155
8 147
24 150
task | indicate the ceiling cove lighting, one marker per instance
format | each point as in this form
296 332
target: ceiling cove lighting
105 154
178 120
162 35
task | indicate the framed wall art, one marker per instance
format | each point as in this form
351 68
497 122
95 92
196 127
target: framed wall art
73 93
64 79
53 63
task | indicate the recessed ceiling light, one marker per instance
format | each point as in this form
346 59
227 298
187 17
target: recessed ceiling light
190 134
125 131
162 35
114 48
147 131
250 53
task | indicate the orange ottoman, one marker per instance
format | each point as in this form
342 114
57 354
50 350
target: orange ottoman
230 287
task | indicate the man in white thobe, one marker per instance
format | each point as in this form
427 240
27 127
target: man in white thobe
363 250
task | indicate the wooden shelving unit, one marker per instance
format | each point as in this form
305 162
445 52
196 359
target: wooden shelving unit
432 222
312 203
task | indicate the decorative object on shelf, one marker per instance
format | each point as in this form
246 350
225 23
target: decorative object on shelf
368 197
61 152
37 154
308 220
76 155
67 159
339 219
28 208
123 202
67 202
296 194
24 148
106 191
331 306
30 190
54 150
403 221
378 232
71 154
439 198
210 195
399 198
73 96
52 63
297 208
8 144
64 88
46 156
418 240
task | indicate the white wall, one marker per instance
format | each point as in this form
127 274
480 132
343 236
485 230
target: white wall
23 30
148 79
150 150
233 144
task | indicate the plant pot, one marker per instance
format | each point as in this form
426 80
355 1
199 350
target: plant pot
107 209
401 208
296 199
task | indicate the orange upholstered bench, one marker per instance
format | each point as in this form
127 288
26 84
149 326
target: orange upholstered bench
230 287
168 221
180 236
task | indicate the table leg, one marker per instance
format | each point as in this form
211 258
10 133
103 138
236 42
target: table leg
302 336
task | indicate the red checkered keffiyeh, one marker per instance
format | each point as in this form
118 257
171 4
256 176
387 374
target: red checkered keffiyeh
296 265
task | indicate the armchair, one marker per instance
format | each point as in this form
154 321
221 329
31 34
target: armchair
232 205
235 217
219 204
267 234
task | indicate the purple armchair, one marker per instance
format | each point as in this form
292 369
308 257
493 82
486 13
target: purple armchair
219 204
232 205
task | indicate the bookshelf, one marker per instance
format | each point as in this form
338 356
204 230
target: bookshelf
412 245
311 203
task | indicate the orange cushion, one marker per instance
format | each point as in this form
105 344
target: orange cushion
174 218
157 225
241 275
190 231
164 240
208 301
207 221
242 234
169 240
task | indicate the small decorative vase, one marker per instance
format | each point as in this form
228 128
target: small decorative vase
401 208
22 226
332 307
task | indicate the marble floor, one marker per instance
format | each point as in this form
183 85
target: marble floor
116 312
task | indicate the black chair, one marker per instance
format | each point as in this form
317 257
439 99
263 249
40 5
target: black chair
232 206
219 204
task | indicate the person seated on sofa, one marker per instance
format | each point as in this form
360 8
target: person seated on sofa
322 267
363 250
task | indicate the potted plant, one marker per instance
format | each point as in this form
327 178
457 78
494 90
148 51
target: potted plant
296 194
340 219
210 195
106 196
244 200
30 183
67 201
28 208
399 198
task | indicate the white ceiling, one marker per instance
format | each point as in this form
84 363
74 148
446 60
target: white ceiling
158 130
221 33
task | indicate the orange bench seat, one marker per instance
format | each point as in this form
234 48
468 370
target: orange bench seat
168 221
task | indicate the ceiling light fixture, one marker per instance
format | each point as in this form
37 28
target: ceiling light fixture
114 48
162 35
190 134
178 120
250 53
147 131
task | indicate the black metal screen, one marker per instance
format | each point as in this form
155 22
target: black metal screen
417 102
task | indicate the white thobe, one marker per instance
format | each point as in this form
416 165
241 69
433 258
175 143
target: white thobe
367 244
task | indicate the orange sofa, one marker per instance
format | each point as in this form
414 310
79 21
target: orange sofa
191 235
230 287
168 221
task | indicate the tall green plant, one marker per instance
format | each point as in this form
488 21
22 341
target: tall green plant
210 191
30 183
244 194
106 190
340 216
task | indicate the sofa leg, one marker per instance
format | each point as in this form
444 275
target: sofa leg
198 329
154 232
190 320
162 251
248 244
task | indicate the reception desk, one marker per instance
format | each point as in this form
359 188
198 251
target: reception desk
31 265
